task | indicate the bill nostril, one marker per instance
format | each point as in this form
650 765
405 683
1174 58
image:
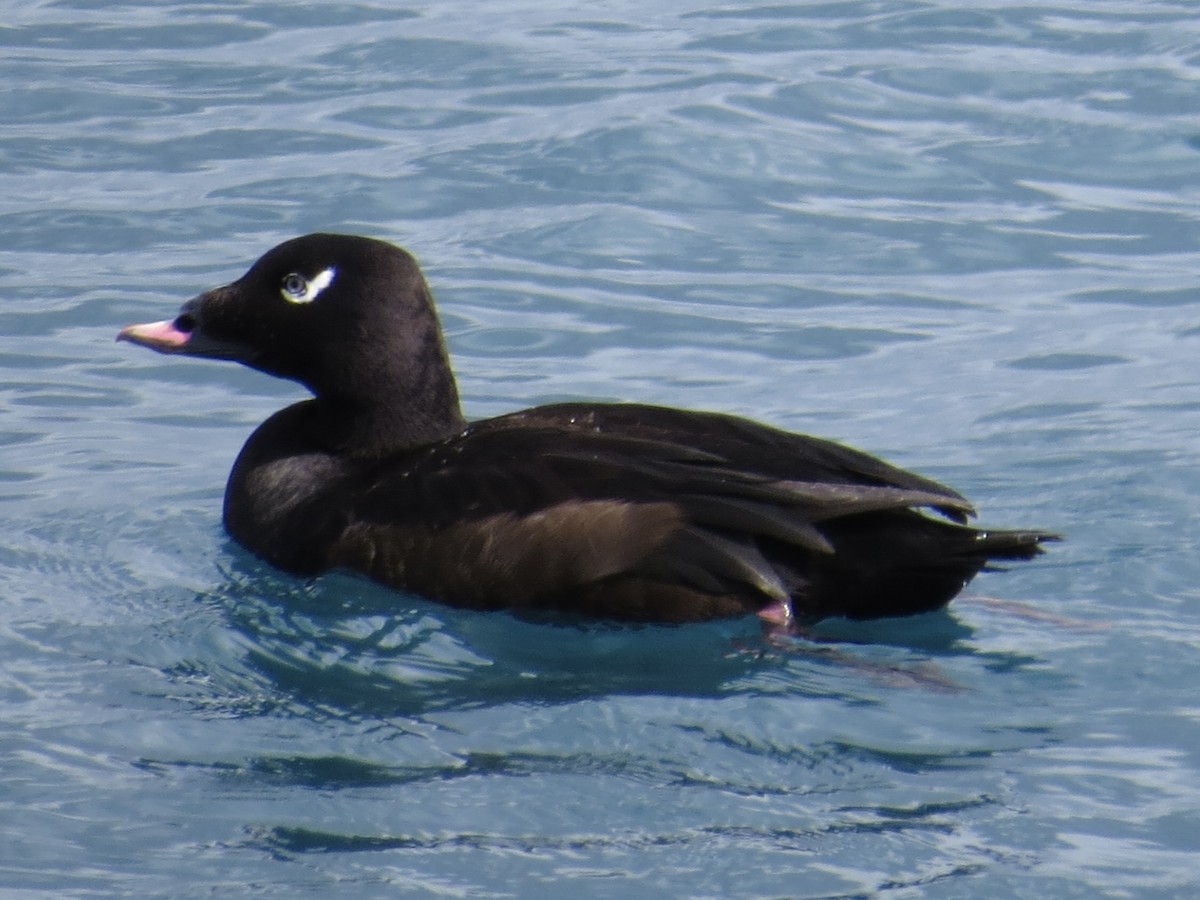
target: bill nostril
185 322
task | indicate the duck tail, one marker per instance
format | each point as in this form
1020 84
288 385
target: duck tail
1010 545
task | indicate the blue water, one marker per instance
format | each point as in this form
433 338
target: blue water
965 236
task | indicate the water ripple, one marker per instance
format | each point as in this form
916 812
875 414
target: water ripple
959 236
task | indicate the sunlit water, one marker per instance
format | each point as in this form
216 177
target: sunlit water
965 236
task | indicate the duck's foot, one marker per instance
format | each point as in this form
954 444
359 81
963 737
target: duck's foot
1031 613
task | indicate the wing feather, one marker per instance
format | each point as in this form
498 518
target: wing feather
498 526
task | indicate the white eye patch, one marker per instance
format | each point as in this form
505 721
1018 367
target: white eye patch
295 288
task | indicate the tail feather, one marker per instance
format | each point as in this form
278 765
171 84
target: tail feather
1014 545
889 564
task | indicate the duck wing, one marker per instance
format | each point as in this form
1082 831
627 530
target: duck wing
614 508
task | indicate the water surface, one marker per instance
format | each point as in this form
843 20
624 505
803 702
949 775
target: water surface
962 236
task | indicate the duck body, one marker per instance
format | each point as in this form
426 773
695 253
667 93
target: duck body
617 511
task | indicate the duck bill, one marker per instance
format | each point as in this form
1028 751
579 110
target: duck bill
162 336
168 337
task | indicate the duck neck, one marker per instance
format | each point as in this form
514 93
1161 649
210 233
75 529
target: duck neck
393 417
388 387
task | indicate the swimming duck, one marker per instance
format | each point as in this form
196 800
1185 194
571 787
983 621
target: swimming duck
617 511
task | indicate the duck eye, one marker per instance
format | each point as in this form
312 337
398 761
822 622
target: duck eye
294 288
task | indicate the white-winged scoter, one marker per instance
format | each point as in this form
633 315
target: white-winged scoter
618 511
